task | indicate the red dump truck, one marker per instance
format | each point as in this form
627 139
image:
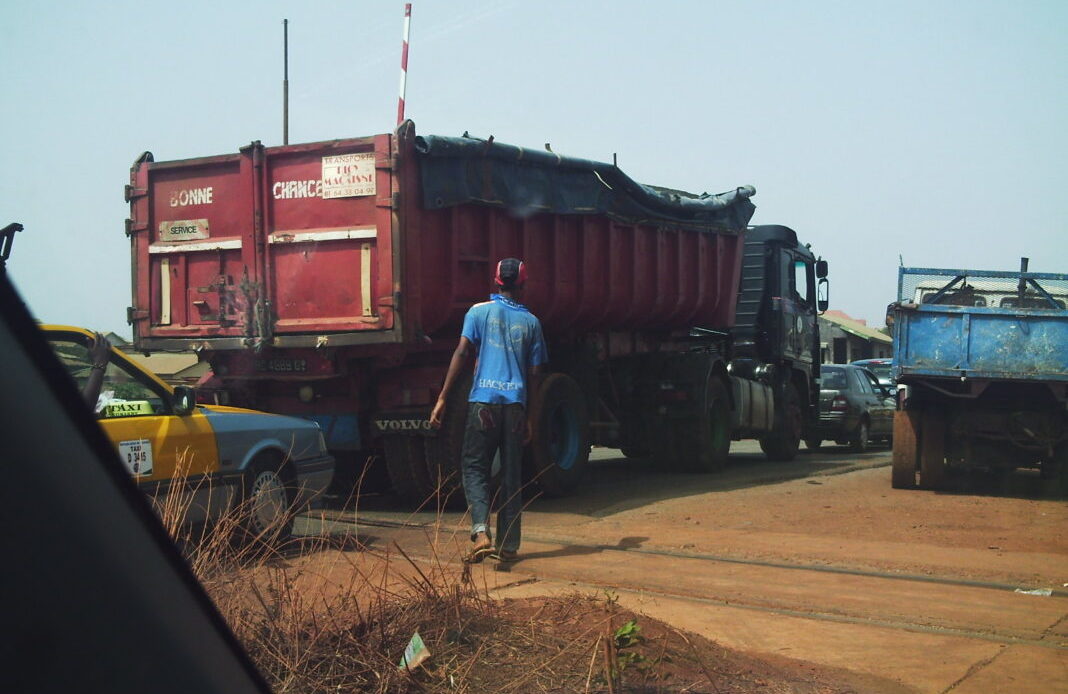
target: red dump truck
329 280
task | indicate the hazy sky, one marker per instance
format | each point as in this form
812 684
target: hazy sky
935 131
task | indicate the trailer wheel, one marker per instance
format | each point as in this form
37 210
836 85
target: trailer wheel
560 445
784 440
906 449
933 451
443 452
1053 471
406 465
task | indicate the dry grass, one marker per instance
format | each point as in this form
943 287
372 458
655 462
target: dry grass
325 614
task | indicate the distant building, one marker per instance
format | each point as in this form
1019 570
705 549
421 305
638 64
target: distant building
175 368
844 339
118 341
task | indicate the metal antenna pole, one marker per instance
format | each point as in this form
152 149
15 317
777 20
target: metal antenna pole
285 82
404 61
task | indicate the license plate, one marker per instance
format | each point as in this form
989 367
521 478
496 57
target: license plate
282 365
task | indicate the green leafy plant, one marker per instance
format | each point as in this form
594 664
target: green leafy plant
627 637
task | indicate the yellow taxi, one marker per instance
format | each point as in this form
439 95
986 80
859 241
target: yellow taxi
211 457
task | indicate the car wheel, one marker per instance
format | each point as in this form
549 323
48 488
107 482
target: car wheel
859 442
266 508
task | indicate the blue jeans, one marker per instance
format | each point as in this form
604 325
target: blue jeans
491 427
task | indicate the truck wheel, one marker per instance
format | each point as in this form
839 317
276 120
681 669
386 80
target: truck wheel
906 449
933 451
406 465
859 442
784 440
265 504
560 446
444 451
1056 471
715 443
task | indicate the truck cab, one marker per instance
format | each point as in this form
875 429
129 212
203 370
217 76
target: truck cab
776 329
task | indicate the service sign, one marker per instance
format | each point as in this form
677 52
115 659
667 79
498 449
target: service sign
349 175
183 230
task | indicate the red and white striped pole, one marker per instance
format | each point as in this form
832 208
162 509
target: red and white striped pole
404 61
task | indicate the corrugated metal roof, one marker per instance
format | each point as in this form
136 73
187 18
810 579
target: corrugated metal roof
856 328
165 364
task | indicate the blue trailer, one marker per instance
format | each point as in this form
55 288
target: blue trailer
982 358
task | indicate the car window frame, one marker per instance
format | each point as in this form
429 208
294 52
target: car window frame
132 370
878 389
863 387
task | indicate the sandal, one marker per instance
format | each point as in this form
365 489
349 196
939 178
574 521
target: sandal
481 549
505 556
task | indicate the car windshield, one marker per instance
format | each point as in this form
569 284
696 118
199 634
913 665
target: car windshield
833 378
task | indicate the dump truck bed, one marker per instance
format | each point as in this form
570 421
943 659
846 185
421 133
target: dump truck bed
390 238
968 324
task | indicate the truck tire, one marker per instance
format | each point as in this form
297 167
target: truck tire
906 449
265 502
784 440
1055 472
443 452
859 442
714 443
560 443
933 451
406 465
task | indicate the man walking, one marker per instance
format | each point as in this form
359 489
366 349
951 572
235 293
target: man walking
510 355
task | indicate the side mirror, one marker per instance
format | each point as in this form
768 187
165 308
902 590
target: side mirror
823 294
185 400
821 268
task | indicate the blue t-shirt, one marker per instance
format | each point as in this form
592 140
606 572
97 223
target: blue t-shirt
509 341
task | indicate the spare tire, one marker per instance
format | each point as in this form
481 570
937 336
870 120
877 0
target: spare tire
560 444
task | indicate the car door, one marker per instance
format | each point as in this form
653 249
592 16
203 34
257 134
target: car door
881 412
136 411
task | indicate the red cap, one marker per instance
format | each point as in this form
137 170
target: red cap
511 272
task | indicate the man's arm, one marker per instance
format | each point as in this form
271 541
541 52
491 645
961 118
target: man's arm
459 357
99 351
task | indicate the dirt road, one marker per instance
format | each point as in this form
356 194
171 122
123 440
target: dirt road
817 560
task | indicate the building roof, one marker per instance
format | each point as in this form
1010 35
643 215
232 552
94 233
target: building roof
165 364
855 327
117 341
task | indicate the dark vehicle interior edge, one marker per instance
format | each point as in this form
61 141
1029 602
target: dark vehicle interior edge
98 597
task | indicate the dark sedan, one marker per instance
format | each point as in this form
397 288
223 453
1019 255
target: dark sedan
854 408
